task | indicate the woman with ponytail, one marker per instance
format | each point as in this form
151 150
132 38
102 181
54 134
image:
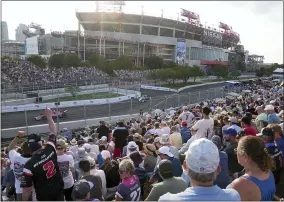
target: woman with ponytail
257 184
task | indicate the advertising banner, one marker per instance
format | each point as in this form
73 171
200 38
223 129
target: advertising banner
180 52
31 46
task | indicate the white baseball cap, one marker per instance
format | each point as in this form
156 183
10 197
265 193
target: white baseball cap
105 154
87 146
166 150
269 107
103 138
202 156
132 145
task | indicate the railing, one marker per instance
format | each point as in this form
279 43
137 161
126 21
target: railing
27 118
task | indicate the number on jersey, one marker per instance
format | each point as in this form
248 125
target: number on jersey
50 168
135 195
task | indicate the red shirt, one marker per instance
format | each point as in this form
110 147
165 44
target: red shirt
250 130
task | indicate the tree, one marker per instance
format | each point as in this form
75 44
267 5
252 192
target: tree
170 64
196 72
37 60
268 71
154 76
123 62
234 73
221 71
72 89
260 72
154 62
241 66
71 60
56 60
97 60
183 73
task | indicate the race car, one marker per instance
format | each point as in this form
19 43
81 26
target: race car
61 114
143 98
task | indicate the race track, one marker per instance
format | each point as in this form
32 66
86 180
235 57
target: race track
159 99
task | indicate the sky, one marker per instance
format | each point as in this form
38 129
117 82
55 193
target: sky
259 23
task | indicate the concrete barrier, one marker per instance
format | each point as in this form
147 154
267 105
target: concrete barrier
11 132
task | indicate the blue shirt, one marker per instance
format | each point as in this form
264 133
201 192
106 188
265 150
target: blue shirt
185 134
280 144
273 119
223 178
213 193
100 160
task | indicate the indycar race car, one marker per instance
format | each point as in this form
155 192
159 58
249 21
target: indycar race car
61 114
143 98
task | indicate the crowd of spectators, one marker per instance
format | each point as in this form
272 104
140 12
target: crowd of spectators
15 73
230 149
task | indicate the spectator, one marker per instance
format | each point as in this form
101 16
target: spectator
129 189
223 178
247 127
124 150
169 184
93 148
202 128
131 147
119 137
230 137
106 144
100 173
151 158
165 128
92 155
185 132
66 167
165 153
83 190
271 115
186 116
268 137
233 124
279 138
175 138
103 130
110 167
165 141
99 157
96 191
202 162
259 180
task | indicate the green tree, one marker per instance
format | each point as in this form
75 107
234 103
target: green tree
123 62
170 64
234 74
72 89
56 60
260 72
196 72
221 71
268 71
183 73
154 62
37 60
97 60
71 60
241 66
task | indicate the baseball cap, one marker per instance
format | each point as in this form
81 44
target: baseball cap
103 138
105 154
81 189
217 141
163 122
202 156
268 132
87 146
184 124
165 166
132 145
269 107
34 141
136 158
233 119
165 150
230 131
81 152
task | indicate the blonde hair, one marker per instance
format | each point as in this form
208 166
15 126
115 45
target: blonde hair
127 166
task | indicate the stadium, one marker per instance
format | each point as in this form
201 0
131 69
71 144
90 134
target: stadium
185 41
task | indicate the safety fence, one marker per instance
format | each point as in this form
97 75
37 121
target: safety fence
85 112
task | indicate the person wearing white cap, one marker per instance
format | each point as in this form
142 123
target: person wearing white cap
109 147
165 153
88 147
165 128
271 115
187 116
202 164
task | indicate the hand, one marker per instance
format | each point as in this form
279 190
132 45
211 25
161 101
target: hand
21 134
48 112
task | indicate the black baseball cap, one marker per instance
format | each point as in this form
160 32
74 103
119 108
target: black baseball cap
81 189
34 141
268 132
165 166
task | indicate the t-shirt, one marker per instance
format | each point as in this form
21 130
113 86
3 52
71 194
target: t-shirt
250 130
129 189
166 130
280 144
273 119
65 162
173 185
103 131
96 191
213 193
17 164
43 172
102 175
188 117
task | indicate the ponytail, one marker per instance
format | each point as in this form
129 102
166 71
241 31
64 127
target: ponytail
268 162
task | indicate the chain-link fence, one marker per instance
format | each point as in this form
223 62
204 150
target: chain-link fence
133 106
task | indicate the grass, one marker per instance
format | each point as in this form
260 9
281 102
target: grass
84 97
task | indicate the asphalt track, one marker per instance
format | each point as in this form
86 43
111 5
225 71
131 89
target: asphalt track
159 99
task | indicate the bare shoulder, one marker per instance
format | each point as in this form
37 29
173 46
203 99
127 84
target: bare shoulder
246 187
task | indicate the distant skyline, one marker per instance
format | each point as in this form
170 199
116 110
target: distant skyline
259 23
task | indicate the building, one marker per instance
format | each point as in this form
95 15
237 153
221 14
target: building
4 31
13 49
185 41
19 33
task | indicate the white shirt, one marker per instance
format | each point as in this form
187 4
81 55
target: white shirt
203 128
65 163
187 116
166 130
95 149
74 149
102 175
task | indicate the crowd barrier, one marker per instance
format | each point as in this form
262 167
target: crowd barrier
28 107
158 88
11 132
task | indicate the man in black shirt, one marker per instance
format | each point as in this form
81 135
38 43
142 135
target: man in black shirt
103 130
233 165
42 170
120 135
